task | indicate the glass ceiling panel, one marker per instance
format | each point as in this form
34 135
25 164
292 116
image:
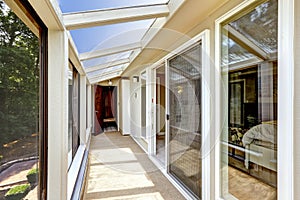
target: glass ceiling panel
106 59
110 35
82 5
106 70
260 26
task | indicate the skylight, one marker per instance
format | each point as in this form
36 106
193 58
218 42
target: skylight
100 37
106 70
109 33
68 6
106 59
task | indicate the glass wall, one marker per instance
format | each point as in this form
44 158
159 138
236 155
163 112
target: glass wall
185 122
19 107
249 76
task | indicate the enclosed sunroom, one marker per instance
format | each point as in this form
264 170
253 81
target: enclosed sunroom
149 99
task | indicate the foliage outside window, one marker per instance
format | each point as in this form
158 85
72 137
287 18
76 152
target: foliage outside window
19 95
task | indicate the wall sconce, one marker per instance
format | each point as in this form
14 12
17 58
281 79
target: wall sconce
135 79
110 82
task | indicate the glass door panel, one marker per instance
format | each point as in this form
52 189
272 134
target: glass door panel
185 118
249 73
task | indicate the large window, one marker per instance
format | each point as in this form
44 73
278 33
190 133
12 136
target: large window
249 74
22 105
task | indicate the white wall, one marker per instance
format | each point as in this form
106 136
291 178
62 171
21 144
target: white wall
135 108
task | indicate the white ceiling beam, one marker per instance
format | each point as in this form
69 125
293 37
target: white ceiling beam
107 65
113 16
109 51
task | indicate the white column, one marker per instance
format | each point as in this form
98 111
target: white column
126 107
57 115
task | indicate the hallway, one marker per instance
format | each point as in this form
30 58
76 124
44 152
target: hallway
120 169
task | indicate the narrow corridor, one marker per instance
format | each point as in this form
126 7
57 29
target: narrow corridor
120 169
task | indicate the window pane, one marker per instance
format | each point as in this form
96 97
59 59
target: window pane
19 104
249 136
185 122
75 112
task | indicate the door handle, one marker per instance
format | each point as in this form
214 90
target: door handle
168 116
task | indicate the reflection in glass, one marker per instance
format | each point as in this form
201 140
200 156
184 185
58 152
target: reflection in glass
185 123
75 111
19 105
249 73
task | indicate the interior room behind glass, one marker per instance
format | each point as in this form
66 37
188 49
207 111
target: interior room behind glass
250 76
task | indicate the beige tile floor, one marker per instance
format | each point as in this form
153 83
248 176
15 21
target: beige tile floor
119 169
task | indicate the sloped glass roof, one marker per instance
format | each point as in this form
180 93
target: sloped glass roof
106 59
93 38
101 37
68 6
106 70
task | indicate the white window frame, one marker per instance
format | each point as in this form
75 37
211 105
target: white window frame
285 178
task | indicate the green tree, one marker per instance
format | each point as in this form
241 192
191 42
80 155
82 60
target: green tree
19 77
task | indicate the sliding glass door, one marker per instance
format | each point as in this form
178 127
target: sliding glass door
248 153
184 87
